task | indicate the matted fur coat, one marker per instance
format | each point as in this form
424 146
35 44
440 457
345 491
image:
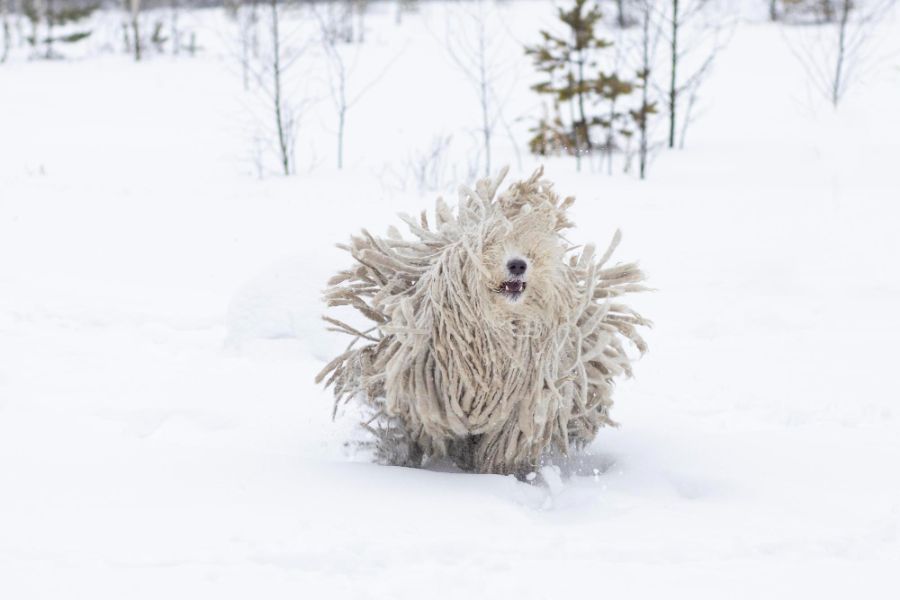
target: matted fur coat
492 343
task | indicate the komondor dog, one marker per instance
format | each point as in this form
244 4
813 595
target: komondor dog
493 343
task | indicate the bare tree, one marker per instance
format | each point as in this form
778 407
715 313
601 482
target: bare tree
174 29
342 60
284 122
429 166
474 42
833 52
675 21
346 19
134 13
696 34
7 30
337 80
336 20
246 14
807 11
360 7
277 100
622 20
404 7
650 28
837 82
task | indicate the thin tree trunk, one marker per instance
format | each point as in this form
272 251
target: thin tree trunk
342 110
773 10
485 116
846 6
342 119
49 28
584 125
673 82
4 8
620 13
580 94
609 137
17 23
361 19
342 105
245 47
136 28
642 151
575 131
174 32
254 30
276 76
692 100
33 40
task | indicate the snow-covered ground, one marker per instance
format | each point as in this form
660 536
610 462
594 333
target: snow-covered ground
161 435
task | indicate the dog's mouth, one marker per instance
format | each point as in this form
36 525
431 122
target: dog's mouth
512 289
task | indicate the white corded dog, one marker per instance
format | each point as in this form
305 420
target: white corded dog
492 342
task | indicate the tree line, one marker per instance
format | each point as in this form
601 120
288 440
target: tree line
619 80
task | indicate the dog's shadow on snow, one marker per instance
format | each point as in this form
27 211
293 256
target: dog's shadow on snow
554 468
556 473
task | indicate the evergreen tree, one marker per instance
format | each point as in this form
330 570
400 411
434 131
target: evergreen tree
610 88
158 38
569 64
551 135
49 15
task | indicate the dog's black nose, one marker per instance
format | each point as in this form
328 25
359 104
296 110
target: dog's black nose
516 266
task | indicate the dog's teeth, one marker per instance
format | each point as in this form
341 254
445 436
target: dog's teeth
512 287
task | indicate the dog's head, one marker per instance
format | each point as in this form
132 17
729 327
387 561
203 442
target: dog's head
524 274
508 263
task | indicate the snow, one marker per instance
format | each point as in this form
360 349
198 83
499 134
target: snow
161 434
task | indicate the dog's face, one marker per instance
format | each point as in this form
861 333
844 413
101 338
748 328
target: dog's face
513 268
